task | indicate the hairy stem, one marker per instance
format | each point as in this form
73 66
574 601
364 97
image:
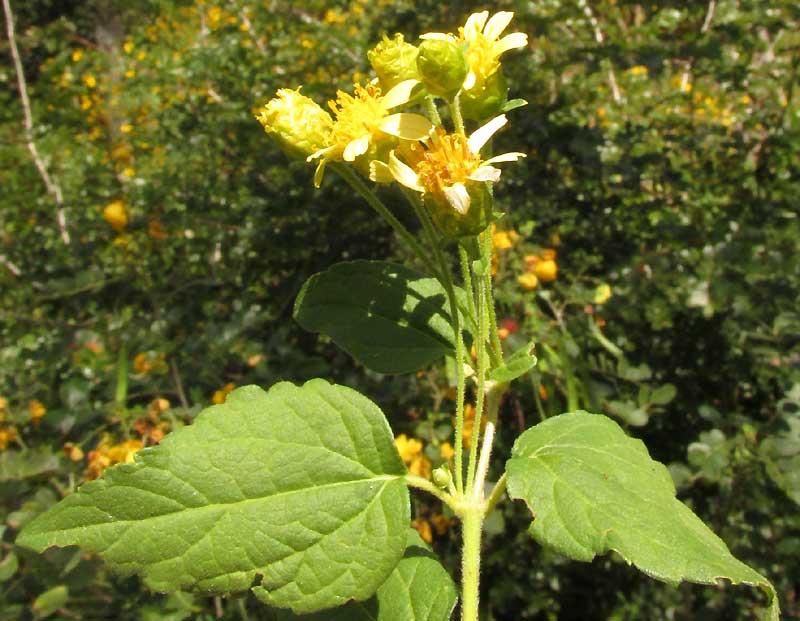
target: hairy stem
472 523
413 480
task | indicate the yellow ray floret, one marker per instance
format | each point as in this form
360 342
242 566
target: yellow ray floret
445 165
364 119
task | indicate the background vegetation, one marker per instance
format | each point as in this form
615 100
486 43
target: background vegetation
651 245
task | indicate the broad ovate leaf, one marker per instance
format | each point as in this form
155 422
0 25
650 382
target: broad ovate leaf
299 489
419 589
592 489
390 318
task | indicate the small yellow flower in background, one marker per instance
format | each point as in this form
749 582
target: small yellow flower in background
546 270
638 70
158 405
36 411
528 281
128 46
73 451
446 451
116 215
363 121
423 527
3 406
126 128
77 55
602 294
255 360
7 436
221 395
410 450
469 424
503 240
332 16
446 165
128 172
90 81
130 73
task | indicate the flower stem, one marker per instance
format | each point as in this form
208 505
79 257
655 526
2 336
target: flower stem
368 195
455 110
413 480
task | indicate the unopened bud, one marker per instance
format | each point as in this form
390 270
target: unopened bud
441 66
394 61
456 225
296 123
441 477
485 100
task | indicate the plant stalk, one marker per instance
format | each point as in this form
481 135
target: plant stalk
472 524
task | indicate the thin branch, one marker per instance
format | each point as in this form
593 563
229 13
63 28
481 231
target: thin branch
52 186
598 36
11 267
712 6
178 384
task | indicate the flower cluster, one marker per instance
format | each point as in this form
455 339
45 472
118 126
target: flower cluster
373 129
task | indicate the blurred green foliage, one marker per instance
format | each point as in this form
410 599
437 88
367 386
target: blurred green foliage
661 183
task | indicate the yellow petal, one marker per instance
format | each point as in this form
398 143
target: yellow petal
458 197
379 172
485 173
504 157
355 148
475 24
497 24
407 126
404 174
510 42
318 173
438 36
481 135
399 94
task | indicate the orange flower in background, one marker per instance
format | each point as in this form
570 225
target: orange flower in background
7 436
528 281
546 271
441 523
107 454
423 527
221 395
469 424
446 451
36 411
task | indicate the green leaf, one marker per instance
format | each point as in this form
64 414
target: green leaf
663 394
780 453
8 566
390 318
19 465
301 486
419 589
518 363
50 601
593 489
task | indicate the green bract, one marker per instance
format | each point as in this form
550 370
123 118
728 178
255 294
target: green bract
441 66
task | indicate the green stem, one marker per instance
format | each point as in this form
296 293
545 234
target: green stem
433 113
368 195
493 397
455 318
413 480
466 275
455 110
472 523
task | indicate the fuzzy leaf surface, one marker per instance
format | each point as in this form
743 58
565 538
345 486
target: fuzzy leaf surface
299 488
419 589
593 489
390 318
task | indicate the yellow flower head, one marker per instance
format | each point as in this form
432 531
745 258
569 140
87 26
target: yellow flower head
363 120
484 46
36 411
116 215
296 123
221 395
408 448
446 165
7 436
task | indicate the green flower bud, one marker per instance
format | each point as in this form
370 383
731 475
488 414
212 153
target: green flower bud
296 123
394 61
455 225
441 66
441 476
485 100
